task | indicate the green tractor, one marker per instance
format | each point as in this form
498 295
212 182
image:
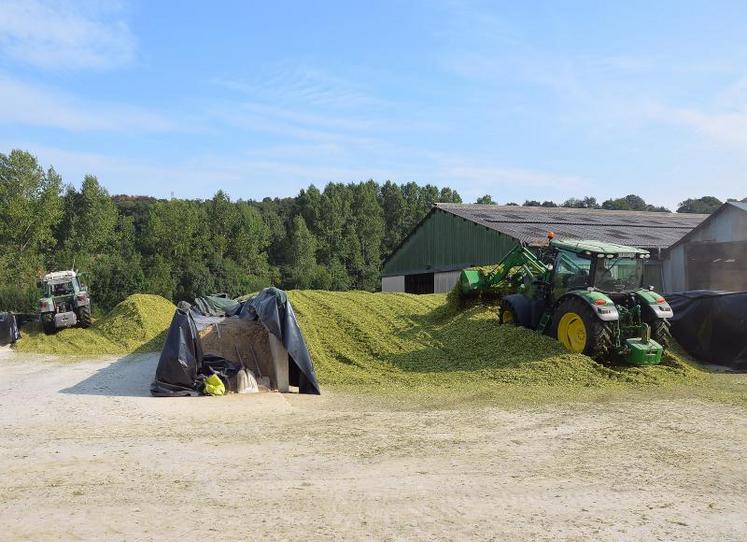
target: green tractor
66 302
587 294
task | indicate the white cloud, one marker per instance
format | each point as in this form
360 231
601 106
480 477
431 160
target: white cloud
729 128
482 177
65 35
27 104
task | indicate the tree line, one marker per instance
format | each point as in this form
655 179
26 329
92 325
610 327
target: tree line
631 202
334 238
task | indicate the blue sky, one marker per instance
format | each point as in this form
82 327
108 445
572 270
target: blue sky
522 100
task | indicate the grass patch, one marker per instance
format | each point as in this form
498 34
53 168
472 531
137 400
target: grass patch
137 324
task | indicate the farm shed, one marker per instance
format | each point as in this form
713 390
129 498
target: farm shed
453 236
713 256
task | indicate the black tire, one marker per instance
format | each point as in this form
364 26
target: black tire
507 314
48 324
84 316
598 334
660 331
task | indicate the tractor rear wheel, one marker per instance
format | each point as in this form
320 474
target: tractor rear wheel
84 316
660 331
578 329
48 324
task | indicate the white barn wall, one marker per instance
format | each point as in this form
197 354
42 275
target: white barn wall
729 225
673 267
393 284
444 282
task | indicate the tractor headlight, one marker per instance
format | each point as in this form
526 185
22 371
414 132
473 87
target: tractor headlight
663 310
607 313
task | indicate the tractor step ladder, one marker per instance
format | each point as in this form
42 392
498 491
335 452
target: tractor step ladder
544 322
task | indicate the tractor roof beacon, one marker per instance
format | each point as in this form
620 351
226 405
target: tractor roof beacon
66 301
587 294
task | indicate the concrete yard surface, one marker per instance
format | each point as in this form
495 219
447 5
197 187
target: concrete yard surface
87 454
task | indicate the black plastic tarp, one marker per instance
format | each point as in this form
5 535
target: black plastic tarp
8 329
711 326
181 356
182 365
272 308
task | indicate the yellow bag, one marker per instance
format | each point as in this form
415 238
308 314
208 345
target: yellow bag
214 385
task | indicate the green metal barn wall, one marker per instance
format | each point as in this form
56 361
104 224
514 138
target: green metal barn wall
445 242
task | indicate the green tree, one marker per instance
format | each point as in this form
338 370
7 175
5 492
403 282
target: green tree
88 227
368 225
532 203
301 267
584 203
30 208
705 205
176 236
631 202
487 199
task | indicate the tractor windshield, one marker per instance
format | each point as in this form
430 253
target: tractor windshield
59 289
618 274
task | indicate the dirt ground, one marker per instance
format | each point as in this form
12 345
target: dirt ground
87 454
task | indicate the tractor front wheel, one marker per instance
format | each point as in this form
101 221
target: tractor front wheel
84 316
578 329
48 324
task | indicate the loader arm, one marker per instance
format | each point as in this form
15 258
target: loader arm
520 257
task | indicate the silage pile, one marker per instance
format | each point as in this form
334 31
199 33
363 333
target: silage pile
419 341
386 341
137 324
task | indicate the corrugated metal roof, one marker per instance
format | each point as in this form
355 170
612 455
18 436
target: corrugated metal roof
530 225
739 205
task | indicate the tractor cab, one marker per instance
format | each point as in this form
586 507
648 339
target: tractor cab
607 267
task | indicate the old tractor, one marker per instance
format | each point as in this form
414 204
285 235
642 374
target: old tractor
587 294
66 302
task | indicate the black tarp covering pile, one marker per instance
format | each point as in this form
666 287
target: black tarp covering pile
182 366
712 326
8 329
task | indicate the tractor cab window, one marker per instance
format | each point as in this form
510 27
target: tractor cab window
63 288
618 274
571 271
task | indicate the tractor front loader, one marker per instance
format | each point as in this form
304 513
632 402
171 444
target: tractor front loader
587 294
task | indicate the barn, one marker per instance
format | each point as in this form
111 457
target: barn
453 236
712 256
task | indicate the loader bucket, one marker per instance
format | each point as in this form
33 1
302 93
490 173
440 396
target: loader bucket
469 281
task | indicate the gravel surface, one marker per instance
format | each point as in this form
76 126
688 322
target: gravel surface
87 454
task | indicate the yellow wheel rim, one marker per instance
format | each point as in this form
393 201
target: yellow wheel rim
572 332
507 317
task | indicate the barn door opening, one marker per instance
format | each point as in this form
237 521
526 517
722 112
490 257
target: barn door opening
422 283
717 266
